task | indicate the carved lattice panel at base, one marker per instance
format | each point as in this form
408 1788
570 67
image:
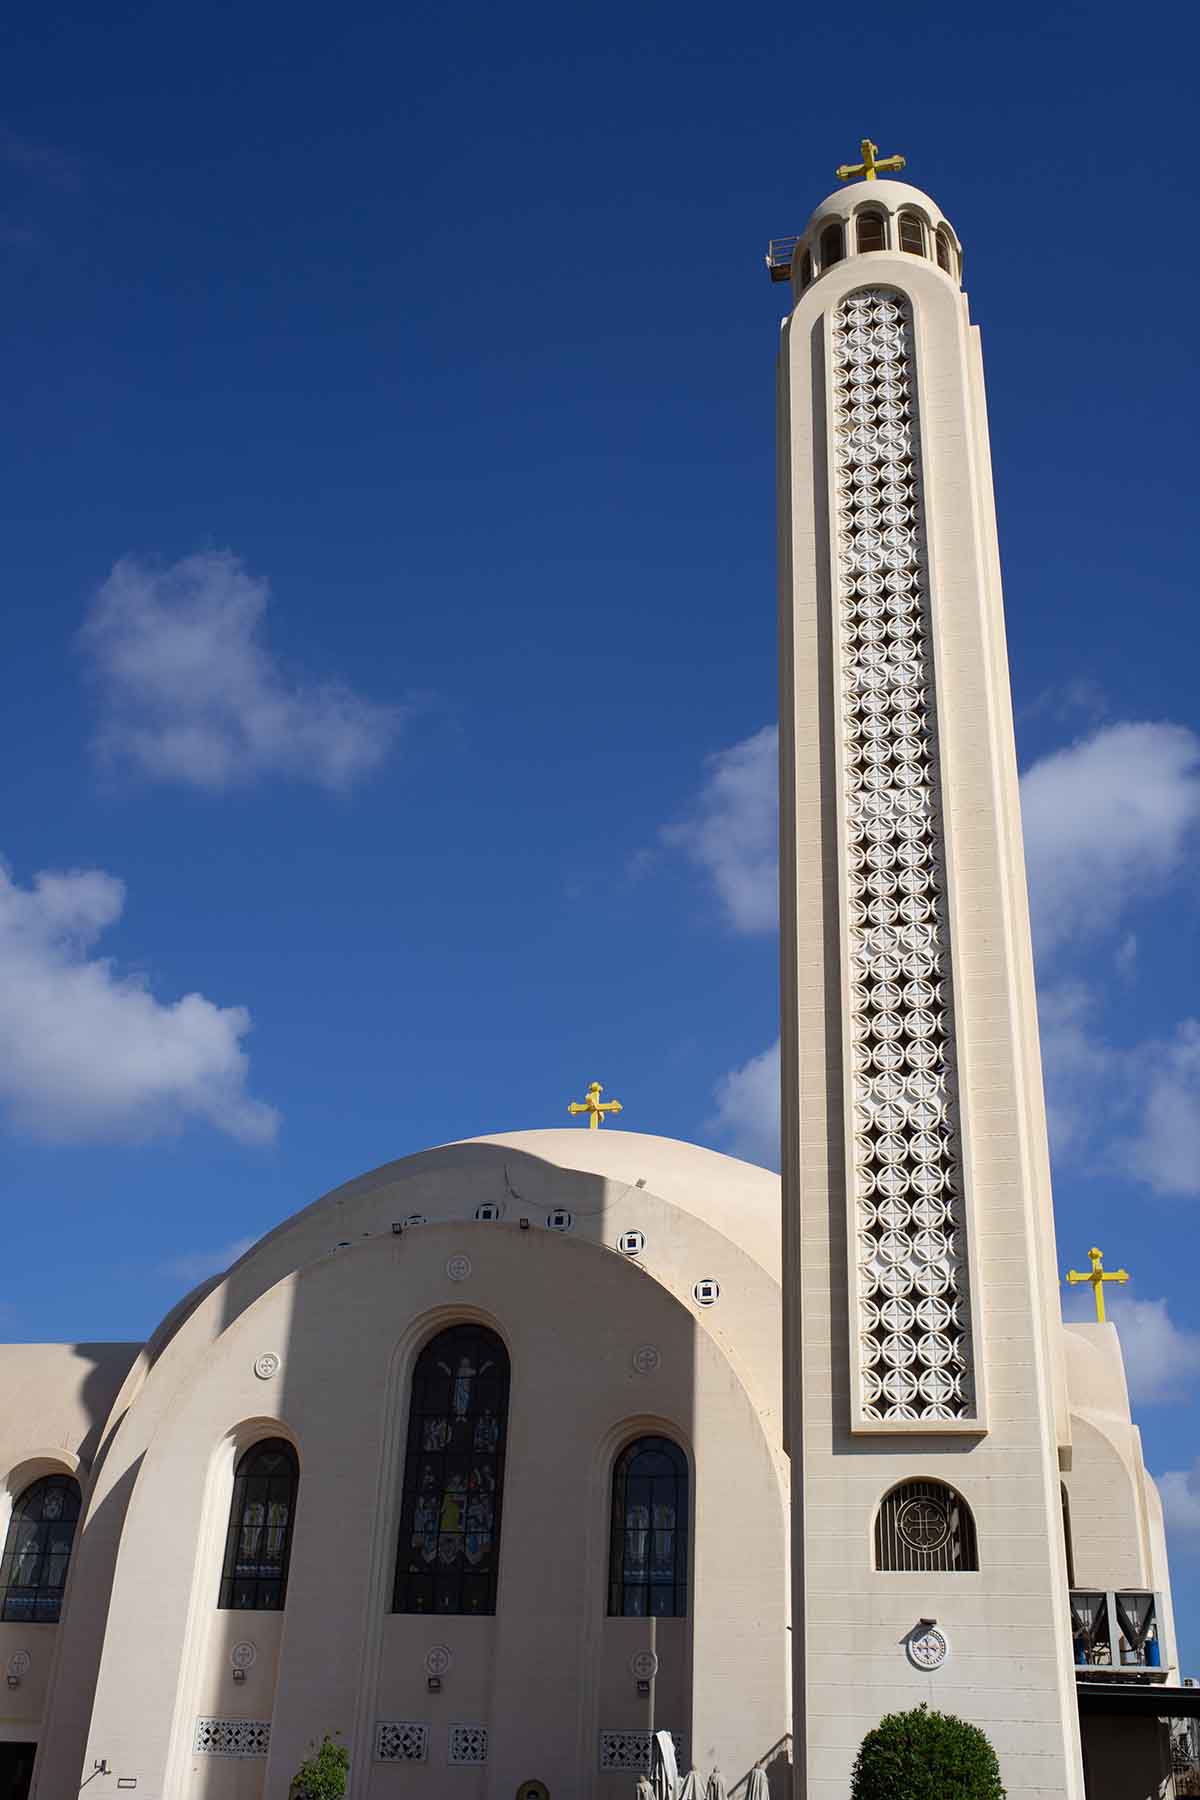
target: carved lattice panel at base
633 1750
232 1737
468 1744
913 1323
401 1740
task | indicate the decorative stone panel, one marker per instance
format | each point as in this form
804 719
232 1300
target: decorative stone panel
232 1737
468 1744
913 1326
401 1740
632 1750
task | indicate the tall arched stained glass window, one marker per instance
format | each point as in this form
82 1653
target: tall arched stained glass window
648 1565
258 1544
449 1547
37 1550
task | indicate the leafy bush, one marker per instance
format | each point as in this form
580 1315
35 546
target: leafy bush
322 1776
923 1755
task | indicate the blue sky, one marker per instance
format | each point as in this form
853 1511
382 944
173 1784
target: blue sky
390 598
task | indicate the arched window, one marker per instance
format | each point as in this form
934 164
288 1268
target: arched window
258 1544
833 245
453 1475
647 1570
945 249
912 233
1067 1539
925 1525
37 1550
872 231
805 270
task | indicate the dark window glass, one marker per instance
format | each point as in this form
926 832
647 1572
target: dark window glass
872 233
912 234
37 1550
258 1544
805 270
449 1548
648 1567
833 245
1067 1539
945 250
925 1525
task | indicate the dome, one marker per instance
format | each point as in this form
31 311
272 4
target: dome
890 195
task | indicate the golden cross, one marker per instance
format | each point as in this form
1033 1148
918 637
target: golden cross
1099 1275
594 1106
869 167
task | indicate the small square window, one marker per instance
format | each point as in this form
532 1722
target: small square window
560 1219
490 1210
631 1243
706 1291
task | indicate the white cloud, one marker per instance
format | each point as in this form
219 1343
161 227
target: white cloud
196 1265
1180 1491
1162 1359
192 694
733 832
1107 820
747 1116
88 1053
1166 1150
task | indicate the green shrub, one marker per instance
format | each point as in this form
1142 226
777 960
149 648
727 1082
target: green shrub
923 1755
323 1775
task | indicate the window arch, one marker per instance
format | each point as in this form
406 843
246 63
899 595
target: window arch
833 244
912 233
648 1561
258 1543
925 1525
449 1548
806 272
37 1550
945 249
871 230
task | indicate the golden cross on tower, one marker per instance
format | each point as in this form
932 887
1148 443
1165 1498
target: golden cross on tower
870 165
1098 1276
594 1106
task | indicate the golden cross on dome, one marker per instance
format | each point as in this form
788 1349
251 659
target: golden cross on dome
870 166
1098 1276
594 1106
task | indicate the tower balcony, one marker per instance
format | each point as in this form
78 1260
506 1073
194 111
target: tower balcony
1116 1634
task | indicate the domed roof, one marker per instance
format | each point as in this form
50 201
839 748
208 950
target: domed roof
891 195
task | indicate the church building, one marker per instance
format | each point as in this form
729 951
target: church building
505 1456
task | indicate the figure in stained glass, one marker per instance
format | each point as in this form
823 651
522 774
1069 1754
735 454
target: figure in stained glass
648 1572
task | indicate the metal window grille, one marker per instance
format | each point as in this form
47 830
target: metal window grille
258 1543
648 1557
925 1525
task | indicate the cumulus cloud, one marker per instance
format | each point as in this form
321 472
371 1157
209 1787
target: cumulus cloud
747 1115
1162 1359
732 833
1180 1491
1107 820
193 1266
1166 1149
190 692
86 1052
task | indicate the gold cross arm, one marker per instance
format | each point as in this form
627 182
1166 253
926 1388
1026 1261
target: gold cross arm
1097 1275
594 1106
870 166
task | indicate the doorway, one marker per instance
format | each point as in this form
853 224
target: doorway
16 1770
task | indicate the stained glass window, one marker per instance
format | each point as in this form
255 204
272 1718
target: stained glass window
647 1571
258 1544
453 1475
37 1550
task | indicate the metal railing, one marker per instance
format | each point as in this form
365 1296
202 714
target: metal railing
780 252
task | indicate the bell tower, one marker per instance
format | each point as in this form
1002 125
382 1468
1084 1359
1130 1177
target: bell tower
925 1400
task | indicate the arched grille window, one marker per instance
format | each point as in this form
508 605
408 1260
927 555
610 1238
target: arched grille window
833 245
912 233
925 1525
258 1544
872 231
945 250
37 1550
647 1571
449 1547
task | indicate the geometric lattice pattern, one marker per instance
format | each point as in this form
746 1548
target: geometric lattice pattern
468 1744
400 1740
632 1750
232 1737
913 1304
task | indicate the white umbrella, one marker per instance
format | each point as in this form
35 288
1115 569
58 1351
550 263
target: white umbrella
758 1789
663 1768
644 1790
689 1790
716 1789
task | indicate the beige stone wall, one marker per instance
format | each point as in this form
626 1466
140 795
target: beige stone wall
1010 1666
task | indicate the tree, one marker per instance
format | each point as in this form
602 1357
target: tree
923 1755
322 1776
